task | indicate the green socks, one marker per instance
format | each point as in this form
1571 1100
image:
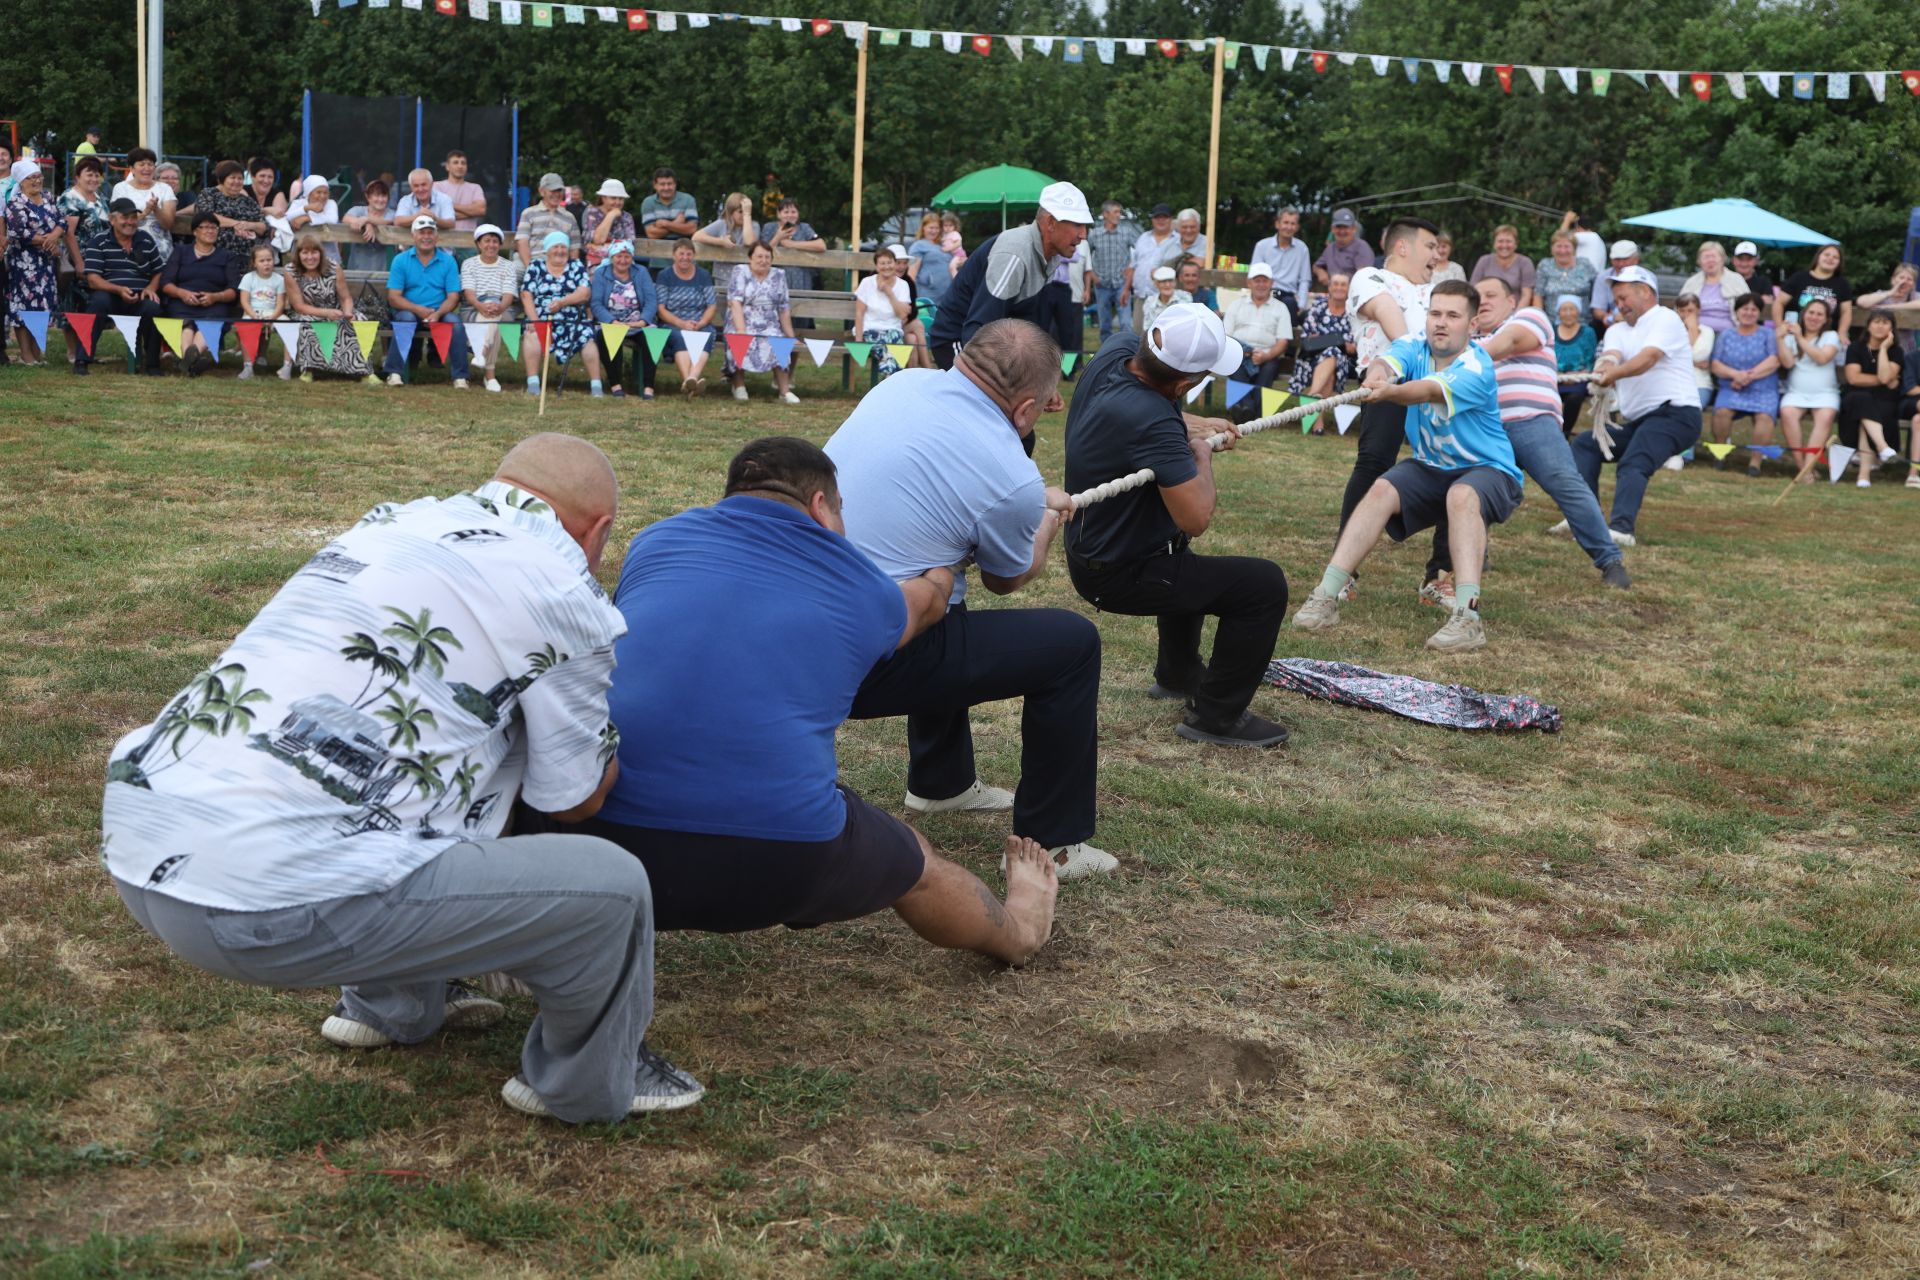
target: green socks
1334 581
1466 595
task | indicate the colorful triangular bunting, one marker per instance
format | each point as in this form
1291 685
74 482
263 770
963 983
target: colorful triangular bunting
819 348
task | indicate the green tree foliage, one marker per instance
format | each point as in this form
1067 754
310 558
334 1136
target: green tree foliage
725 104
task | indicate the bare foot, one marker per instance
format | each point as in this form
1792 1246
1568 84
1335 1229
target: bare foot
1031 888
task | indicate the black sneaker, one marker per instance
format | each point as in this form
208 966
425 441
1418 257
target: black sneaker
1249 730
79 368
1615 575
1162 693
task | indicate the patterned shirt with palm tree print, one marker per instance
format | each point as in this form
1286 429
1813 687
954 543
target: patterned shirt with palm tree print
386 704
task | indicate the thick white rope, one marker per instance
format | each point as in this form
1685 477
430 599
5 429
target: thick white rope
1144 476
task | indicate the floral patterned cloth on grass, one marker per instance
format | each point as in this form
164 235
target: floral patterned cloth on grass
1452 706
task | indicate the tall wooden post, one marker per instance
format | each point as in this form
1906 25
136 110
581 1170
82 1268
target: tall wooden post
1213 147
859 135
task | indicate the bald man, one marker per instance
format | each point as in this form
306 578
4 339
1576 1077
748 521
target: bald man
323 804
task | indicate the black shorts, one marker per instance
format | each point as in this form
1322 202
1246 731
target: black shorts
735 884
1423 495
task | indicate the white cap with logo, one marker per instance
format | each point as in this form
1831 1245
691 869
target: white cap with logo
1064 201
1747 248
424 220
1189 338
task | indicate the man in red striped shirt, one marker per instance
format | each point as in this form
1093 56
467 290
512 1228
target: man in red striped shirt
1520 340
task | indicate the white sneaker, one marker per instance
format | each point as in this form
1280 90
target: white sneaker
493 384
1078 861
1621 539
787 397
1321 612
1559 528
1461 634
1675 463
1863 483
246 371
467 1010
657 1086
1887 455
395 380
459 384
978 798
739 393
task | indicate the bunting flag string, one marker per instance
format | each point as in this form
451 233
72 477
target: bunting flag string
169 329
82 322
36 322
656 337
129 327
211 331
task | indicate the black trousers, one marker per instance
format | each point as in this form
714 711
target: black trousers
102 303
1049 657
1382 430
635 354
1182 590
942 353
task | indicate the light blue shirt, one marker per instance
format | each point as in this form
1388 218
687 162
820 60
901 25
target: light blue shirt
1292 266
437 204
931 472
1465 432
425 284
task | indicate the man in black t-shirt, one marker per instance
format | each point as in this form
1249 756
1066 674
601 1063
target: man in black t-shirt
1129 554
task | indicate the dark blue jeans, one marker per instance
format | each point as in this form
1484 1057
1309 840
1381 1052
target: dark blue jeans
1640 448
1050 658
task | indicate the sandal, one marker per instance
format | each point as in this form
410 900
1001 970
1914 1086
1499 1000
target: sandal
1913 481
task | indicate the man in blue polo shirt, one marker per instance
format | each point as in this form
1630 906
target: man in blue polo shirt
425 285
1462 469
935 468
752 623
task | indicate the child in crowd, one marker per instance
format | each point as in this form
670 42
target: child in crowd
1165 295
263 296
950 240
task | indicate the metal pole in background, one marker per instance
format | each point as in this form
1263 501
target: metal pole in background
306 133
140 69
156 74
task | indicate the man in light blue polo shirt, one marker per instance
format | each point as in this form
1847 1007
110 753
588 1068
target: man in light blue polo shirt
935 470
425 285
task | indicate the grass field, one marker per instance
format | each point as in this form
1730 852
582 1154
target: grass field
1641 998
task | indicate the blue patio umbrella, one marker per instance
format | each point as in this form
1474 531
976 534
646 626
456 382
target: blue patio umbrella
1732 219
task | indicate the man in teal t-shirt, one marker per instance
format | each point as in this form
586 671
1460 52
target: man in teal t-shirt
1462 469
669 213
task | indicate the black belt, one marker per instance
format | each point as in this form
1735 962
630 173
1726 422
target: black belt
1172 547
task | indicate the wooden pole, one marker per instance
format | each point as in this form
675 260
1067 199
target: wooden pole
859 135
1213 147
140 64
546 350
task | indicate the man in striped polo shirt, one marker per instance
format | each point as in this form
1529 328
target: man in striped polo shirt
1520 340
123 279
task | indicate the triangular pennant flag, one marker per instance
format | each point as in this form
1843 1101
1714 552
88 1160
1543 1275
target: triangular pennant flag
1601 78
1839 84
36 322
510 338
738 344
1570 77
1136 48
1737 84
1911 79
1379 62
1073 51
1442 70
1716 449
1471 70
1287 58
1344 415
637 20
129 327
1838 456
289 334
1306 423
1413 69
1771 452
478 335
1237 391
447 7
212 330
952 41
403 332
1015 47
1803 86
326 333
860 351
82 322
543 328
697 340
1319 60
1171 48
1068 360
1199 388
1877 81
656 337
575 12
1638 77
1505 72
364 333
1260 52
1539 77
1347 59
613 335
820 26
1770 81
477 9
1702 85
782 351
442 334
1233 55
169 330
900 352
819 348
1671 80
1043 45
1270 401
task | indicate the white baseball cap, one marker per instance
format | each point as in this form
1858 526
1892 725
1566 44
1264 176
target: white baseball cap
1064 201
424 220
1747 247
1624 249
898 250
1259 269
1634 275
1189 338
488 229
1164 273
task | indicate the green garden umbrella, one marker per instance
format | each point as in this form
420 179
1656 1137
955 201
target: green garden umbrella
1002 187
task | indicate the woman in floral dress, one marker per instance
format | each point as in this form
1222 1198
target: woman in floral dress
556 289
1324 373
35 231
241 222
757 304
319 295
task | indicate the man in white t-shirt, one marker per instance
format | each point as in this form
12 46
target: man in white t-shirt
1391 302
325 804
1649 359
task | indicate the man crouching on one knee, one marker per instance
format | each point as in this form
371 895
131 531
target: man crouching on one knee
750 625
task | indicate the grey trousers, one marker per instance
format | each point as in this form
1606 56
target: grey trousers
569 915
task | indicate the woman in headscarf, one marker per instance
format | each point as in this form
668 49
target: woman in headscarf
623 294
35 235
556 290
